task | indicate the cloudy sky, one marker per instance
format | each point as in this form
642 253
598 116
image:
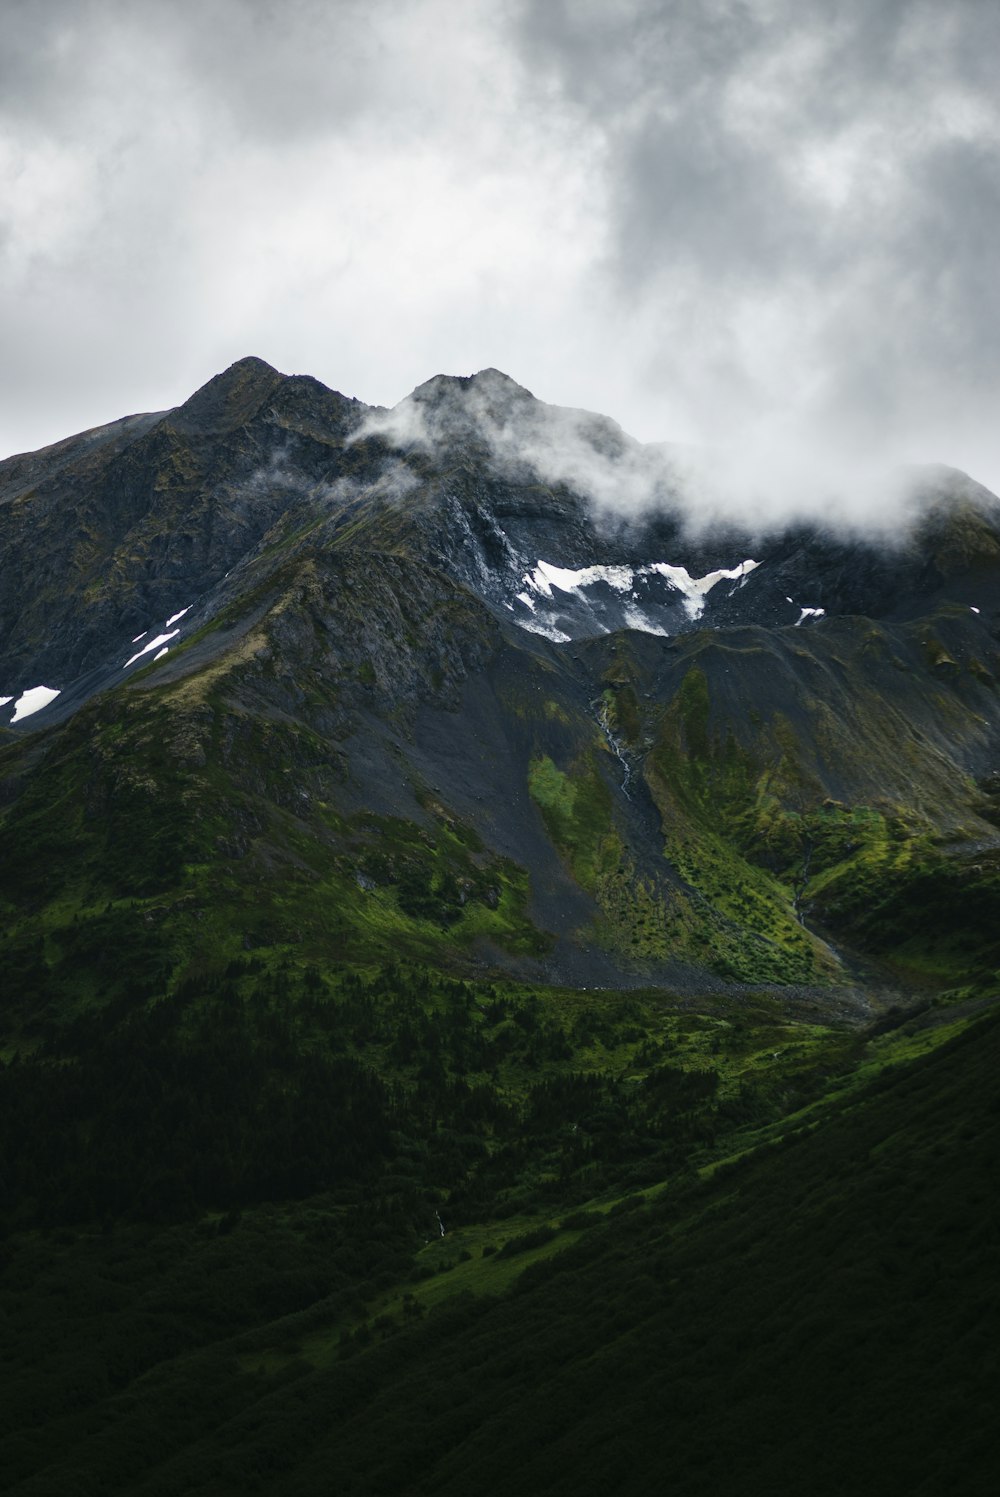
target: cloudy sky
773 223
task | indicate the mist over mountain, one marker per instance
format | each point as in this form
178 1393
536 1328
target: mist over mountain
500 958
108 534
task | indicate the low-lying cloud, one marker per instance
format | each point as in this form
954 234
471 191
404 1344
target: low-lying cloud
759 488
764 227
802 209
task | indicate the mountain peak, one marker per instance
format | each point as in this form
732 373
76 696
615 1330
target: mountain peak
489 383
463 408
249 364
228 399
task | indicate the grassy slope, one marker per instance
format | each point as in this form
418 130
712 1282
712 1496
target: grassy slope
812 1313
751 814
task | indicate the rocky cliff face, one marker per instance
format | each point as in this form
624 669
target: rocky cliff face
111 532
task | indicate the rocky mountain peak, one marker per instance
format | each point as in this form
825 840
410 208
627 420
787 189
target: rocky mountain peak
555 519
469 407
229 399
487 383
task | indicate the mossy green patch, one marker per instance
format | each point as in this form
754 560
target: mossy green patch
576 808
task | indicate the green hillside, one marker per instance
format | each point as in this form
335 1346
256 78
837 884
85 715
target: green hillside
407 1234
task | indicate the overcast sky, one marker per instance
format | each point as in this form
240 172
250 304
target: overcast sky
774 222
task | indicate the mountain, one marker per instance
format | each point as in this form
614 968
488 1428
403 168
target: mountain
112 532
432 853
407 615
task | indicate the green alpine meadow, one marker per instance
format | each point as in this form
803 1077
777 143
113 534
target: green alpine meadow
499 993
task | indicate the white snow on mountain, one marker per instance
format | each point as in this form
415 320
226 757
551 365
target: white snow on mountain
154 644
694 589
33 700
535 626
636 619
545 577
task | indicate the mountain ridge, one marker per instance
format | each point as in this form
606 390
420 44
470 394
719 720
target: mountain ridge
145 516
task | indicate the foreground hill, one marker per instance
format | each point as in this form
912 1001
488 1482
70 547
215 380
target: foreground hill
427 854
818 1309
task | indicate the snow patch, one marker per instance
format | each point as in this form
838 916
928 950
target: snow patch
545 577
5 700
160 653
809 613
694 589
33 700
636 619
154 644
973 610
535 626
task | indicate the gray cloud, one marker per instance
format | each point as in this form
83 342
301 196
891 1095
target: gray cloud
526 441
767 224
804 203
367 192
